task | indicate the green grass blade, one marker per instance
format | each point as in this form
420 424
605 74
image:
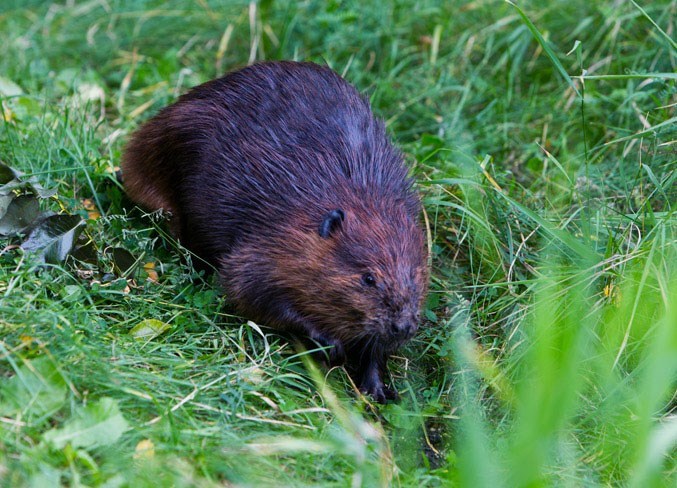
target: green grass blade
548 50
630 76
670 40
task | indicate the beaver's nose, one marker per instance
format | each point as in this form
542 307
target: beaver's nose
404 329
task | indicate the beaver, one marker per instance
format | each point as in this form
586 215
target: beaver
279 176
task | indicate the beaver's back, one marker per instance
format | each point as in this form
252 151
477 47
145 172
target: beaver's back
240 154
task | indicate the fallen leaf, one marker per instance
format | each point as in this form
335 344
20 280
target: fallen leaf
92 212
21 211
5 200
149 329
145 449
88 204
123 261
12 180
85 251
53 237
149 268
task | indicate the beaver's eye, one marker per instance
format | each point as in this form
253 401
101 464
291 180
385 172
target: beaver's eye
368 279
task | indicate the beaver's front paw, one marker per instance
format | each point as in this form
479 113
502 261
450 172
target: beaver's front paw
373 385
334 351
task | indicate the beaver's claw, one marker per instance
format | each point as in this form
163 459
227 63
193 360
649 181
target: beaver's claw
373 385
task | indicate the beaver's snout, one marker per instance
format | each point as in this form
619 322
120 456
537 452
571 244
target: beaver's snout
404 328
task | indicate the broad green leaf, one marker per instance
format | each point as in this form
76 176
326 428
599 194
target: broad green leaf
25 106
36 389
71 293
8 88
97 424
45 476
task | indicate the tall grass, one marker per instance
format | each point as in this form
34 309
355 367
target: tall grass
542 137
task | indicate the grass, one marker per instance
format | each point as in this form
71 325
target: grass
542 135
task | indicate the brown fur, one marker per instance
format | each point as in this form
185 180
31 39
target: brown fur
280 177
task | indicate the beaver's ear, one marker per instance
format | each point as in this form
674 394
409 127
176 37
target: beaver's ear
331 223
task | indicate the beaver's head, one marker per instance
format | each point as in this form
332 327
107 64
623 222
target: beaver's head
359 273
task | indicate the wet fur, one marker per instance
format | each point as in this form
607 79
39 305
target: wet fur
251 166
